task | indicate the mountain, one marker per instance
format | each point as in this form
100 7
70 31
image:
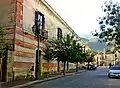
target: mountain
93 40
84 39
94 44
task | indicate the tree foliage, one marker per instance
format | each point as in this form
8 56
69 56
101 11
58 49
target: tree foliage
110 24
67 49
49 54
76 52
62 47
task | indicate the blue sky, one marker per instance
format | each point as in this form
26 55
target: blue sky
81 15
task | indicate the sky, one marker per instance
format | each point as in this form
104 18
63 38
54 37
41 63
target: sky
81 15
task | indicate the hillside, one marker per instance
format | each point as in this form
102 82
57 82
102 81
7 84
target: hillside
94 44
84 39
97 46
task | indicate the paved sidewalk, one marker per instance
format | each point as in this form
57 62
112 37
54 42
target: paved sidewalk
22 83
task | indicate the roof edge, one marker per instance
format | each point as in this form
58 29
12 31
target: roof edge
57 15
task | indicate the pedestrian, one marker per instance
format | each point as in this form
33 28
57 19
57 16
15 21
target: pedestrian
110 65
32 72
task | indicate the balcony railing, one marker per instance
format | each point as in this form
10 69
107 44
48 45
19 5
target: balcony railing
44 34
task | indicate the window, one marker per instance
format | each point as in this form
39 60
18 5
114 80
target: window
59 33
115 68
39 21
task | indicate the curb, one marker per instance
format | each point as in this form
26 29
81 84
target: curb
47 79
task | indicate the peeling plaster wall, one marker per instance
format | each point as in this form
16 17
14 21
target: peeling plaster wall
7 13
7 18
51 21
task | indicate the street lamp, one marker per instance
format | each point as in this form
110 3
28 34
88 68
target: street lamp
37 29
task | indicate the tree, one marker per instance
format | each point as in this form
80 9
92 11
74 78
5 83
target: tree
65 51
56 44
110 24
49 55
76 53
62 49
89 57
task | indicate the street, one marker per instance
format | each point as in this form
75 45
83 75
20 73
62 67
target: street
90 79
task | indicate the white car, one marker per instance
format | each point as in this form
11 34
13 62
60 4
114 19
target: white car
114 71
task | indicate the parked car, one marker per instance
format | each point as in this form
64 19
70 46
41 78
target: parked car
114 71
92 67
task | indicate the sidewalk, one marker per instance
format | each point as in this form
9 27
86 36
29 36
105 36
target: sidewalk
22 83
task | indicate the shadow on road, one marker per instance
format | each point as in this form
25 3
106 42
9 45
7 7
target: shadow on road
101 76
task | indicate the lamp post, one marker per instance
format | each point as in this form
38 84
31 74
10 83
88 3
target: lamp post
37 29
37 72
37 65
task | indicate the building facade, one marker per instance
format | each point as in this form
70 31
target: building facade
18 20
104 61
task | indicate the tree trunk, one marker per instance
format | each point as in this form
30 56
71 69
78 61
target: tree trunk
64 67
58 65
76 66
67 66
4 66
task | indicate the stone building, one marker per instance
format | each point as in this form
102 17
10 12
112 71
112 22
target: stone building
17 17
109 58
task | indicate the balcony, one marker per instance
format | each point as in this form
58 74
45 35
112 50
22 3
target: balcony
44 34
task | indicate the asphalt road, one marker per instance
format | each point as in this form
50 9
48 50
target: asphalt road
90 79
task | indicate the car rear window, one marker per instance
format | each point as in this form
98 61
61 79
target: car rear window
115 68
